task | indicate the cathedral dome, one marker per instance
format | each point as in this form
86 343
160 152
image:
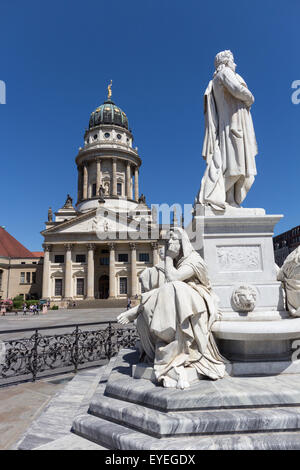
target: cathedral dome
108 113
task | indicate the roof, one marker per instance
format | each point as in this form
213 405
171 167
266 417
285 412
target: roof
108 113
11 248
38 254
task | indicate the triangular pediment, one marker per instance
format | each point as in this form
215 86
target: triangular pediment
96 221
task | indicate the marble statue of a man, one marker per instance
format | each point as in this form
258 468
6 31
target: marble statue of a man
229 146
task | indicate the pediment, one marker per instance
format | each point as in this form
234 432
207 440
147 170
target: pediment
93 222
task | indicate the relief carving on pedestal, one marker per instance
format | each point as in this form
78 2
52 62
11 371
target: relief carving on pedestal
239 258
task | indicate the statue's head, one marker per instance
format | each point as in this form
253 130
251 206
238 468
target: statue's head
224 59
162 252
174 244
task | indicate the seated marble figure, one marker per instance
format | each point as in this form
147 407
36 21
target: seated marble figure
289 275
175 316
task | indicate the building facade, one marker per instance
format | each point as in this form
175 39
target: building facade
285 243
20 269
97 249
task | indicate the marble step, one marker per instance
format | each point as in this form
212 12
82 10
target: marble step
161 424
117 437
230 392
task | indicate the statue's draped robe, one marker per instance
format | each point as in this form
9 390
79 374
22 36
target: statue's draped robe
289 274
175 323
229 146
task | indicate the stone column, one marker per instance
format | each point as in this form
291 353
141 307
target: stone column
85 181
46 271
136 184
114 177
90 272
68 271
98 177
112 271
155 257
79 187
128 178
133 270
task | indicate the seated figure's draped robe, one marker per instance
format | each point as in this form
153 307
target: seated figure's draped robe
289 274
175 321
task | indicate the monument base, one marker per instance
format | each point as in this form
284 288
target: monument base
232 413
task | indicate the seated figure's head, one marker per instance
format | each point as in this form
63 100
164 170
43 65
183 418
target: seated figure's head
224 59
174 245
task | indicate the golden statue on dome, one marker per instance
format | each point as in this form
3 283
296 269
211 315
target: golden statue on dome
109 90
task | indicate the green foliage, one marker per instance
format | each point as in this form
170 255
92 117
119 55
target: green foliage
18 302
54 307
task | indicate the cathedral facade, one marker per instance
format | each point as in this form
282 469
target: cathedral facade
97 248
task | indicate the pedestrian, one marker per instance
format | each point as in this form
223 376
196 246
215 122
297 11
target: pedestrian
128 303
24 308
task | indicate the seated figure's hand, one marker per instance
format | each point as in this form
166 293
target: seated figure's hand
130 315
123 318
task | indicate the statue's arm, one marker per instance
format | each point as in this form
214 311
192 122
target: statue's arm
235 88
172 274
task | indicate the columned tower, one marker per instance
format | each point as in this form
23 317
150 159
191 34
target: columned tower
108 161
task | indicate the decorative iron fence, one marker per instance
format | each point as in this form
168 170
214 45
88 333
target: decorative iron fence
41 355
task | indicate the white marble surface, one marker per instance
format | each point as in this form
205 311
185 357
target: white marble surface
258 330
238 249
229 146
289 274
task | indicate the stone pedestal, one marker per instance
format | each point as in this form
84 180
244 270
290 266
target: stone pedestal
238 249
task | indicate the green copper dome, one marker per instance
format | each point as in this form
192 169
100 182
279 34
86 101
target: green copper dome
108 113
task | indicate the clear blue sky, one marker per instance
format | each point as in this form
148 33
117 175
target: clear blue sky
57 58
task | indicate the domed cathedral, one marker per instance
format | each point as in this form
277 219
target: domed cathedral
94 251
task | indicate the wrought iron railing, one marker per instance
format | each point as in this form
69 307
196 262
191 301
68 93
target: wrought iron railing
40 355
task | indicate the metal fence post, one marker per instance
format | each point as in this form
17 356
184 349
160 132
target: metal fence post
76 349
35 356
109 342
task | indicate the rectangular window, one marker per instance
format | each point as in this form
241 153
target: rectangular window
123 257
80 286
144 257
119 189
80 258
28 278
123 285
104 261
33 278
94 189
58 287
59 258
104 251
22 278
